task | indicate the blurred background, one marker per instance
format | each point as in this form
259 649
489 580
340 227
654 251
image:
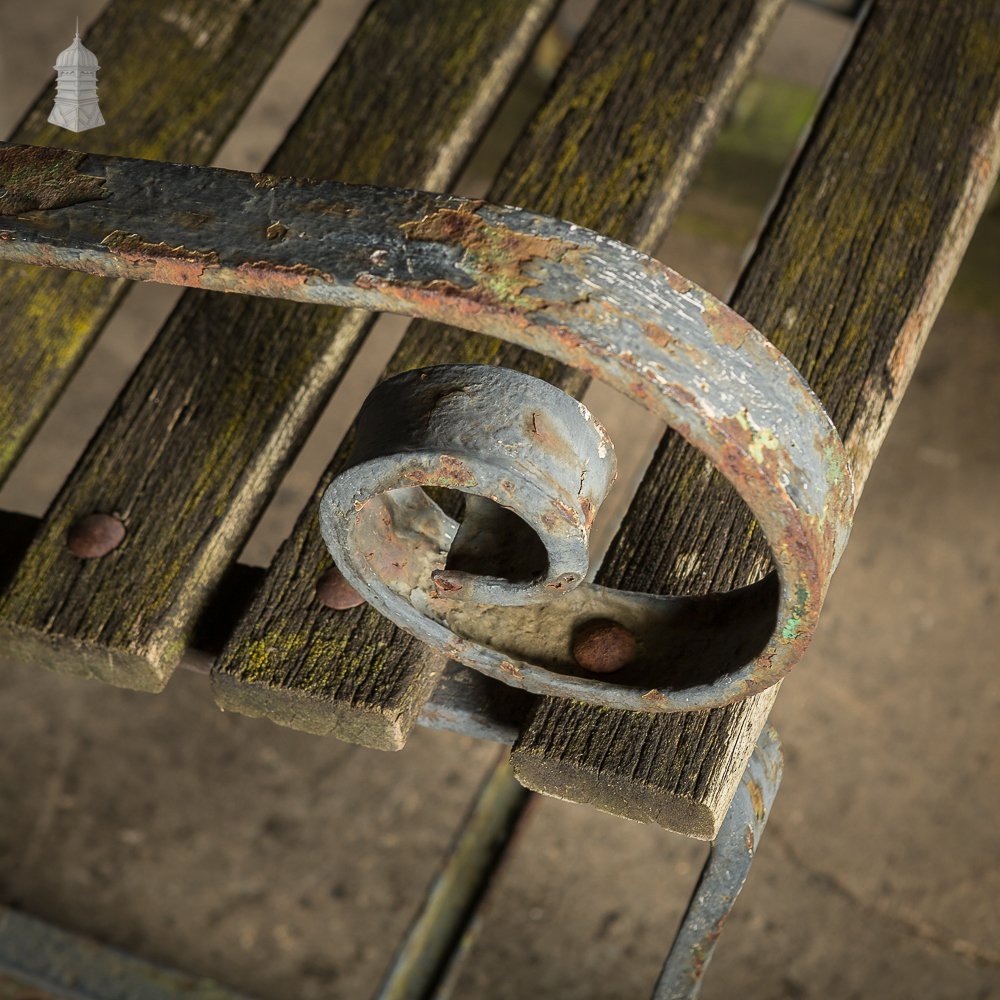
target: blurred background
288 866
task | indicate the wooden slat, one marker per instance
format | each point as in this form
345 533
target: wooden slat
846 279
198 440
176 77
612 148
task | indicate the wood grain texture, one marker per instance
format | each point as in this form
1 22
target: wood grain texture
198 440
847 277
612 147
176 77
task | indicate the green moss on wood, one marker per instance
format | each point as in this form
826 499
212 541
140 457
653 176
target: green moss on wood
171 88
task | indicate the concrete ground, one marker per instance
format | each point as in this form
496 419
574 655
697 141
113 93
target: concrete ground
287 866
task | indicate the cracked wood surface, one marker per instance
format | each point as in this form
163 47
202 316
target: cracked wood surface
198 441
846 279
612 148
180 75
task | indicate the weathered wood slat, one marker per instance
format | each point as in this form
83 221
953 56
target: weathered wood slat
464 701
177 77
198 440
846 279
613 147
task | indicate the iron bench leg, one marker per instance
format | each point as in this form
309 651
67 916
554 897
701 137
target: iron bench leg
724 873
443 934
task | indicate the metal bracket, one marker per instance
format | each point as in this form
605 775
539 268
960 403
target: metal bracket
505 589
542 283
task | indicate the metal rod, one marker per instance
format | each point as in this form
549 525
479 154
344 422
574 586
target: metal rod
440 934
724 874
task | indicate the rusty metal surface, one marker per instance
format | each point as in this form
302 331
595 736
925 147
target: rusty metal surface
542 283
509 583
724 874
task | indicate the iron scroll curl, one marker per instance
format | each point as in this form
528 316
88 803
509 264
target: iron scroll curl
546 285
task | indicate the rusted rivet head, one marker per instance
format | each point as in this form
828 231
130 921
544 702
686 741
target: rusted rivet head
335 592
95 535
603 646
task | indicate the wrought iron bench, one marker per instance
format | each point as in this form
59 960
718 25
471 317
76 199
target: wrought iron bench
135 561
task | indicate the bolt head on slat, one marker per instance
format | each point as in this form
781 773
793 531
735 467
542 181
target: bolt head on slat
95 535
602 646
333 591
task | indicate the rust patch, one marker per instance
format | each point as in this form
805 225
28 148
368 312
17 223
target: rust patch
270 279
159 261
509 668
445 582
37 178
657 335
756 798
446 225
567 512
449 472
749 451
134 247
603 646
728 327
677 281
684 395
445 302
702 951
305 270
437 291
498 254
333 591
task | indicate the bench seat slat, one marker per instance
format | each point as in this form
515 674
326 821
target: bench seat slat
200 437
846 279
612 148
177 78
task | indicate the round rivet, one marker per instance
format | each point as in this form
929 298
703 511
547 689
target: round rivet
602 646
335 592
95 535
